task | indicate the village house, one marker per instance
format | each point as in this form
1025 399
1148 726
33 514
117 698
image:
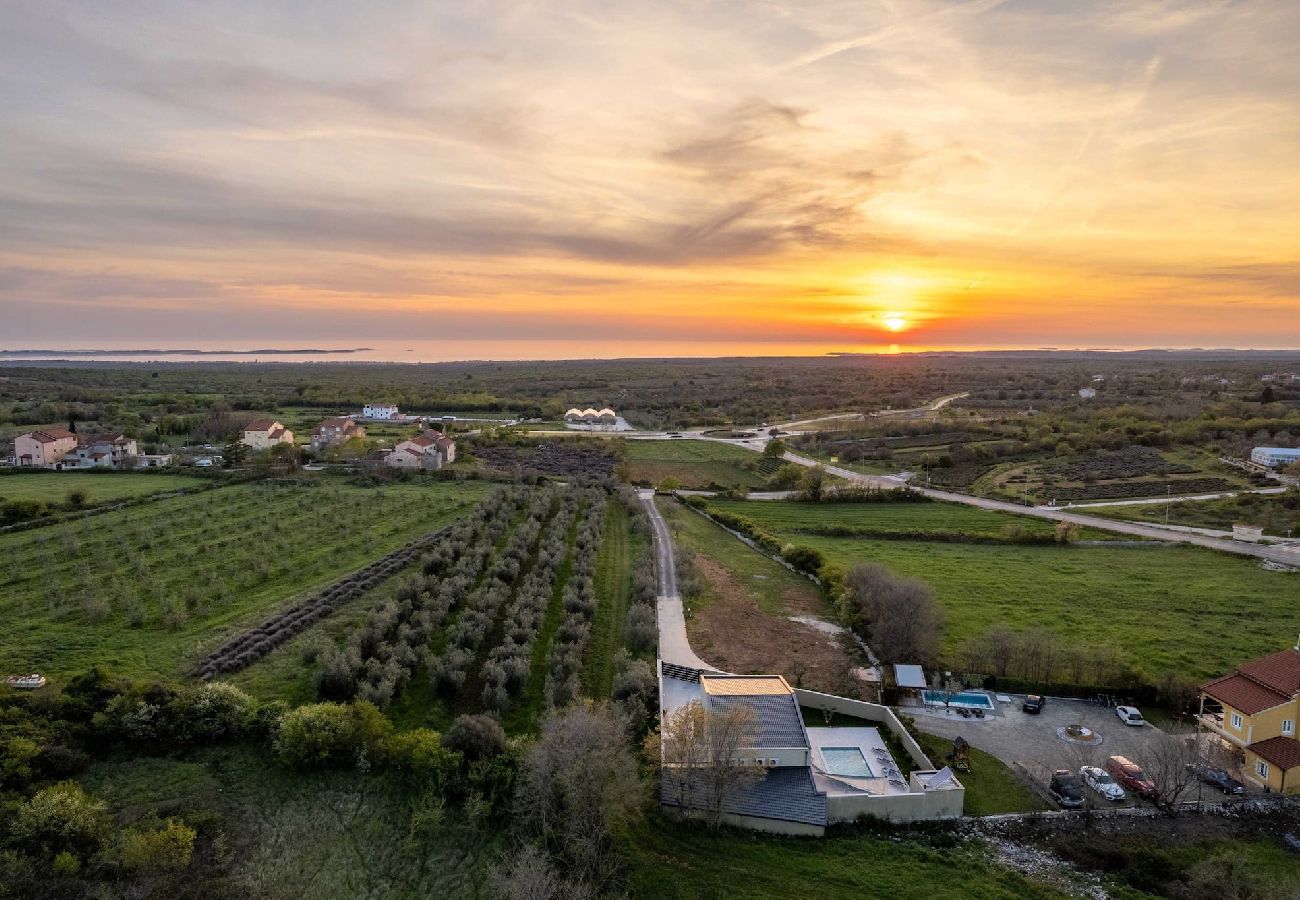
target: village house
1261 705
263 434
46 448
380 411
430 450
104 451
335 431
153 460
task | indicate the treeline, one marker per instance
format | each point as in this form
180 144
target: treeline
563 797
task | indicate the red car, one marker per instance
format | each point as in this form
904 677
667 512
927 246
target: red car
1129 774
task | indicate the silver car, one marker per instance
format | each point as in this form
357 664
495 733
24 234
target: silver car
1101 782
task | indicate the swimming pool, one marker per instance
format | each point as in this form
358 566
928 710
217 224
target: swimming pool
846 761
967 699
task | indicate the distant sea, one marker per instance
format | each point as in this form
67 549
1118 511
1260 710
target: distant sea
434 351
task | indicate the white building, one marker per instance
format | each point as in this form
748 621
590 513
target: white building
153 460
591 416
105 451
1275 457
387 411
1087 393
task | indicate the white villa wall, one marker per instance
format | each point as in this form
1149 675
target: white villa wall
871 712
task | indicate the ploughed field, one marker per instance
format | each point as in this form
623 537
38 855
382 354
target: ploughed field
148 589
1163 608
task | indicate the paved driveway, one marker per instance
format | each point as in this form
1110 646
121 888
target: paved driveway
1031 741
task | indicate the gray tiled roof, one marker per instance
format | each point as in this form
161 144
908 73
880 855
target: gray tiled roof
786 794
779 723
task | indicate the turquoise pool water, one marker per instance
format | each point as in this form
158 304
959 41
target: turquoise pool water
968 699
846 761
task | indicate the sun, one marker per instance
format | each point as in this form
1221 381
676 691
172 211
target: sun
895 322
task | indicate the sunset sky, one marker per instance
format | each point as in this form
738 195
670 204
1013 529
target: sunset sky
709 177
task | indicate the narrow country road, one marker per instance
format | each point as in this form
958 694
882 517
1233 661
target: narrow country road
674 645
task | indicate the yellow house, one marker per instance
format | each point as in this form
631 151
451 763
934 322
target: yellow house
1261 705
262 434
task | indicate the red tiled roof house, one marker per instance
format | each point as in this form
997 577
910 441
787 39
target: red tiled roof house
1261 705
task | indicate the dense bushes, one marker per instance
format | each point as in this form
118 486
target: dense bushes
163 716
475 737
323 735
898 615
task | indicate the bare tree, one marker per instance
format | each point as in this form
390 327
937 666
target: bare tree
1168 762
577 788
901 615
701 751
529 874
1001 648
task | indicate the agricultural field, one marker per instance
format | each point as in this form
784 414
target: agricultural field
497 617
920 519
145 590
1114 474
695 464
622 548
54 487
1278 514
1162 609
738 603
567 457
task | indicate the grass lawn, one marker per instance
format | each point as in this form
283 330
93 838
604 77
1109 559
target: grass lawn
325 835
696 464
1180 609
991 787
885 518
145 590
671 860
53 487
619 549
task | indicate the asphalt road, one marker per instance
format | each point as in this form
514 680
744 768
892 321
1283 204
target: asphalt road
665 562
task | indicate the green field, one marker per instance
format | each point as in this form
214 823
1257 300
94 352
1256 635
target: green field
672 860
887 518
1171 608
145 590
695 464
766 582
619 550
327 835
53 487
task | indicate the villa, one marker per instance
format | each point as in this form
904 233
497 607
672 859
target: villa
430 450
45 448
810 777
335 431
106 451
1261 705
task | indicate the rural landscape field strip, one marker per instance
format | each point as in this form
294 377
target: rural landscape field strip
1164 608
129 589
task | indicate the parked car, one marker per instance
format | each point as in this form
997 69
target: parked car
1064 788
1034 703
1219 778
1129 715
1131 776
1100 781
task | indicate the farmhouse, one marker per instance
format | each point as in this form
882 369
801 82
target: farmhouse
1275 457
335 431
807 777
153 460
429 450
46 448
262 434
106 451
1261 705
381 411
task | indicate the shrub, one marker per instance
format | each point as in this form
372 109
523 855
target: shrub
167 849
66 864
805 559
420 754
475 737
321 735
62 816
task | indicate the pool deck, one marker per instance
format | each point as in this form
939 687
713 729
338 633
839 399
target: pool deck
887 778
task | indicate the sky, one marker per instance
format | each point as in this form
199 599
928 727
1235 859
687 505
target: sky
720 178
